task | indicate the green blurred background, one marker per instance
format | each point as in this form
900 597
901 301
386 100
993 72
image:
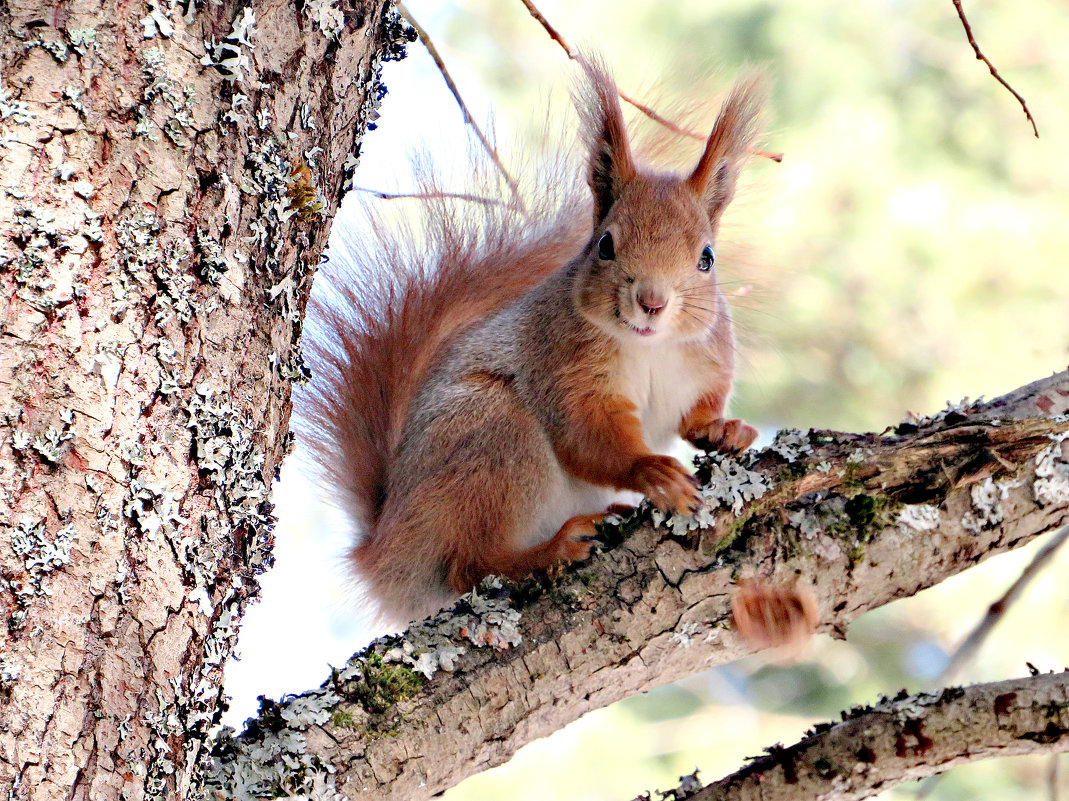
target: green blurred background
910 249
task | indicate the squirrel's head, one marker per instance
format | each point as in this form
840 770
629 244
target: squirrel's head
649 271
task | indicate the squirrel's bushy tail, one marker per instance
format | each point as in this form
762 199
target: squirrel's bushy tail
394 294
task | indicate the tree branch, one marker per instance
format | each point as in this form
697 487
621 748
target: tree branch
864 518
910 737
994 72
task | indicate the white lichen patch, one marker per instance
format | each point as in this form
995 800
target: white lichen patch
225 450
213 264
160 91
918 517
685 634
82 39
107 363
987 497
791 444
231 55
40 555
731 485
858 456
9 670
14 111
330 20
908 708
153 509
156 21
276 763
820 517
818 522
56 47
153 268
436 643
1051 487
962 407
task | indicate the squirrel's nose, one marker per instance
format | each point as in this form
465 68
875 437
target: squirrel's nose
651 301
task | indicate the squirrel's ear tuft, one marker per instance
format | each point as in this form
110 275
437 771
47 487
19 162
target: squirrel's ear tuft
611 164
728 146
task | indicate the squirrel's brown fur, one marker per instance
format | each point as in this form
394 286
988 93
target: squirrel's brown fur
479 405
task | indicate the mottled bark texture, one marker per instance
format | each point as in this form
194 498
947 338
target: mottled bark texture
168 172
862 519
902 739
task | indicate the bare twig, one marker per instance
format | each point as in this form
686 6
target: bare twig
994 72
554 34
468 118
1053 790
998 609
485 201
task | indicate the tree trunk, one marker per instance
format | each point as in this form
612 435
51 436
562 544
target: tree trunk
169 174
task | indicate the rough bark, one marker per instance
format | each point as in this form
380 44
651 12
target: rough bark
862 519
902 739
168 174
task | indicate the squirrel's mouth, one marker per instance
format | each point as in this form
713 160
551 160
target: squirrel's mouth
648 331
642 332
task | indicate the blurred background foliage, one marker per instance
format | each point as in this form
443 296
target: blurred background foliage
911 248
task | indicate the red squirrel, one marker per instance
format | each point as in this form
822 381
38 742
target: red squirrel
481 406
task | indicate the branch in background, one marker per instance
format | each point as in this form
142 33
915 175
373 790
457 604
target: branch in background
485 201
555 35
903 739
994 72
864 518
468 118
998 609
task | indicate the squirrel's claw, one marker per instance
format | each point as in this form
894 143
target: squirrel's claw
665 482
725 436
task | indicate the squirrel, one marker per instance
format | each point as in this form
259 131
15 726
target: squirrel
482 403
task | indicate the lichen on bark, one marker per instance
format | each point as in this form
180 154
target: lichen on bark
155 262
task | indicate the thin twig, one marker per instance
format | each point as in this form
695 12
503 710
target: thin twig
998 609
468 118
653 115
1053 790
994 72
554 34
486 201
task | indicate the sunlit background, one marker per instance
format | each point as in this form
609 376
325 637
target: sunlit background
910 249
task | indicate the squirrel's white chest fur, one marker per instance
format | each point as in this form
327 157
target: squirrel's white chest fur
658 380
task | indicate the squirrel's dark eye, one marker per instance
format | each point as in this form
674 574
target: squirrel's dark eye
605 248
705 263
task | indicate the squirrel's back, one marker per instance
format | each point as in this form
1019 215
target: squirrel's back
386 305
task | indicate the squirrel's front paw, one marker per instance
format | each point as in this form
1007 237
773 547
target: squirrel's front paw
666 482
726 436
